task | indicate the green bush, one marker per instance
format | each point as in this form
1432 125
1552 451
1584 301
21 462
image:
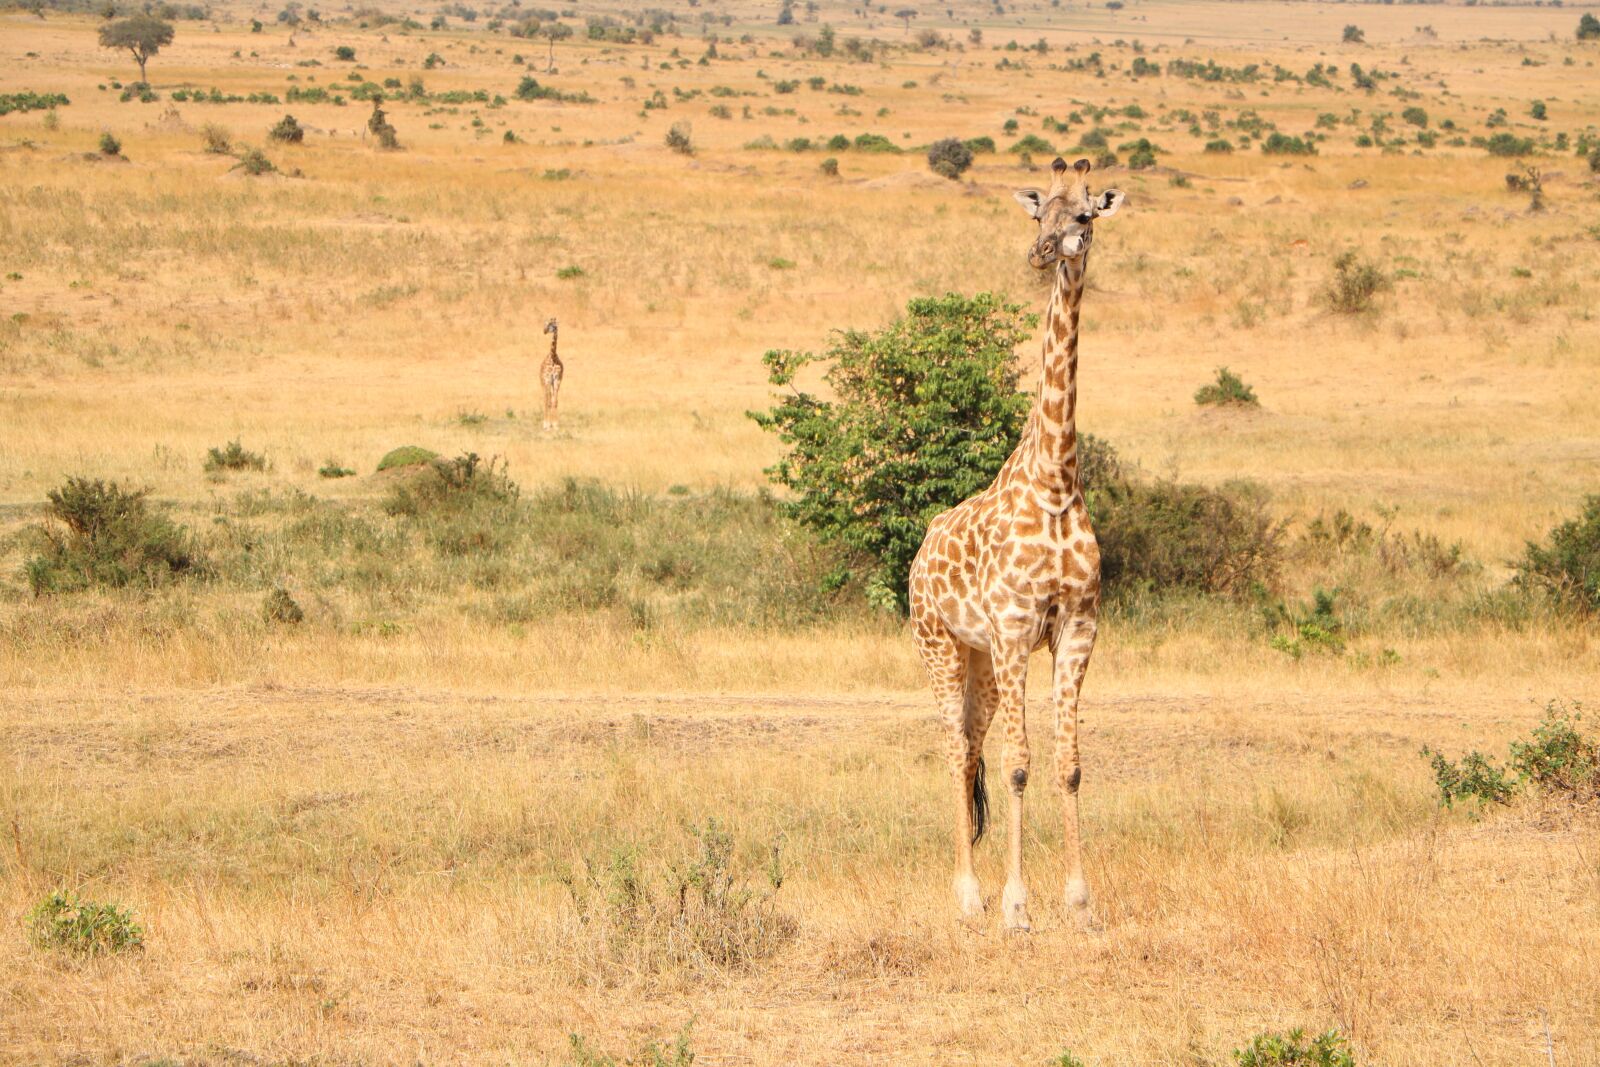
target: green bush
407 456
254 162
1567 564
925 412
83 927
1281 144
1355 284
679 139
1220 145
100 534
830 167
949 158
233 457
109 145
1416 116
1292 1049
1506 143
332 468
1558 761
344 52
1228 390
1033 145
287 130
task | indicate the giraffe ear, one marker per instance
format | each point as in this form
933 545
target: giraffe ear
1107 203
1032 201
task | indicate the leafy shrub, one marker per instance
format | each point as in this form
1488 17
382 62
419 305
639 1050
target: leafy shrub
216 139
1506 143
344 52
1292 1049
453 484
1588 27
280 607
255 163
1168 536
379 126
1354 285
1281 144
1220 145
1228 389
874 142
701 912
1317 629
82 926
1558 761
100 534
1354 35
949 157
926 411
109 145
27 100
1567 564
287 130
830 167
1033 145
332 468
406 456
1416 116
980 144
233 457
679 139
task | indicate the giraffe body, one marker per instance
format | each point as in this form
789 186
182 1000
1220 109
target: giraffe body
550 372
1016 568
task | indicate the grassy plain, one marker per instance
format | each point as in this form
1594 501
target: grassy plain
346 838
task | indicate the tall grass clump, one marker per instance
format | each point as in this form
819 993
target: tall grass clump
704 911
100 534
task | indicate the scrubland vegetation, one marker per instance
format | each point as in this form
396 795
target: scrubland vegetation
348 717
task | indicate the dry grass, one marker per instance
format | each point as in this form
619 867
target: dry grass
344 838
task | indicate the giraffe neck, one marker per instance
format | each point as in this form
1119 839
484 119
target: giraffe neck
1055 442
553 357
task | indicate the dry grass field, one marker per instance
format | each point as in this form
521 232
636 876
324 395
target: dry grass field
446 817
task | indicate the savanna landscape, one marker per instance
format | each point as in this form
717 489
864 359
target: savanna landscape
349 715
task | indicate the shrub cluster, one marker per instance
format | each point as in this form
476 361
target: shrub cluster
1566 566
1355 284
99 534
1557 761
1228 389
949 158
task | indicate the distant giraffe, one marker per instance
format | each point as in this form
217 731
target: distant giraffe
550 372
1015 568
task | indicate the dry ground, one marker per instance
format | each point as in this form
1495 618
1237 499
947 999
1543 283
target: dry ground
345 844
349 875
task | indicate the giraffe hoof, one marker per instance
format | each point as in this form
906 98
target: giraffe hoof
1015 900
969 898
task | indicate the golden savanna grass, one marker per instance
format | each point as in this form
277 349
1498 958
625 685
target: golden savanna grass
347 840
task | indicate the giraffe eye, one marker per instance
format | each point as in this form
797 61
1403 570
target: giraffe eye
1083 219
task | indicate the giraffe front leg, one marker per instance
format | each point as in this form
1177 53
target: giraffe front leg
1071 662
1010 676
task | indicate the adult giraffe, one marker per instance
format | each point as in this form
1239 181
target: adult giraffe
550 373
1016 568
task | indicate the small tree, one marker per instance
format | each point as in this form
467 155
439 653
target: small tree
1589 28
949 157
142 35
378 123
344 52
680 138
1354 35
926 411
553 32
906 14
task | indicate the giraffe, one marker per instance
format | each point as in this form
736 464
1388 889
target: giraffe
1016 568
550 372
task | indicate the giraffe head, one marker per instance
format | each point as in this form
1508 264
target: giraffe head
550 327
1066 213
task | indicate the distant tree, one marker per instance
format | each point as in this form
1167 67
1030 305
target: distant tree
1537 110
906 14
786 14
142 35
553 32
949 158
1589 28
1354 35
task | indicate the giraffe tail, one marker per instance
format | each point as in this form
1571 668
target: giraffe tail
980 803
